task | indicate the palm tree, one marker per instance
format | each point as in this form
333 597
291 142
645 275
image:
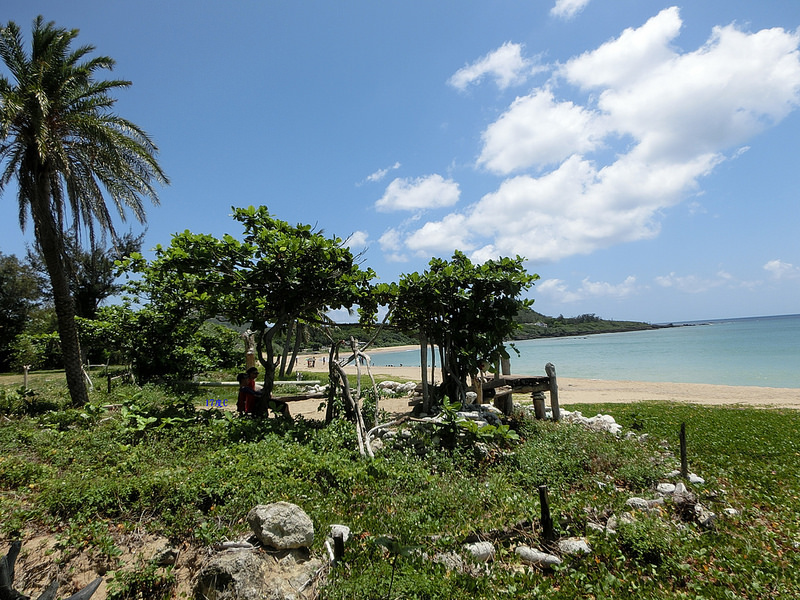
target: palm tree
67 153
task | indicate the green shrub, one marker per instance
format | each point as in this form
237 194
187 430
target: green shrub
648 539
40 351
147 580
19 401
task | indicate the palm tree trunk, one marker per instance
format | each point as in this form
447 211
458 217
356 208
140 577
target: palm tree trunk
52 249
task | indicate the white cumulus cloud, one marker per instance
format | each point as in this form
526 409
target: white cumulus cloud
592 158
696 284
381 173
431 191
440 236
567 9
391 242
557 290
506 66
782 270
538 130
357 241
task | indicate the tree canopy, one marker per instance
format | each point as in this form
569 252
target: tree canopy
275 276
467 310
19 293
68 152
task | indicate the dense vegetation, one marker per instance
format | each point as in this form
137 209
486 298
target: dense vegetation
71 156
536 325
88 477
531 325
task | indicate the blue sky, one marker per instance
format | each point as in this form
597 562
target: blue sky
642 155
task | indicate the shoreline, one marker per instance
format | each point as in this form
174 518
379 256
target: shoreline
592 391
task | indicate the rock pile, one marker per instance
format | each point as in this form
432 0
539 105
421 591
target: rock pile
279 570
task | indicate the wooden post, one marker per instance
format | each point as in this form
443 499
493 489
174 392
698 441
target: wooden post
249 348
547 520
477 383
550 369
338 546
538 405
684 461
25 369
423 360
505 366
108 376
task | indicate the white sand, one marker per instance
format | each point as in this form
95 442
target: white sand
578 391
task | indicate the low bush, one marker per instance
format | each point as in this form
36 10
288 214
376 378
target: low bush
194 475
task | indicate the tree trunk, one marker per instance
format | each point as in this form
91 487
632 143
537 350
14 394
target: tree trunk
433 364
52 248
423 359
333 355
298 338
285 351
269 363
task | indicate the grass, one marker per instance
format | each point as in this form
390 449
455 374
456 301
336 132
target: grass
85 474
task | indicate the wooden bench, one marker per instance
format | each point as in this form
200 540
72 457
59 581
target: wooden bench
502 388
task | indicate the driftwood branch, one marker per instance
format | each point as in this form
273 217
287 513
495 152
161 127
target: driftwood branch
7 591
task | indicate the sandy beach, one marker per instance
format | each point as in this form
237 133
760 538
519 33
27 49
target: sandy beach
577 391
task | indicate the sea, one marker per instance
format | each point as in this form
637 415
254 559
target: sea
752 351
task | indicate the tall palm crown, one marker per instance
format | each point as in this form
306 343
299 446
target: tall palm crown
69 154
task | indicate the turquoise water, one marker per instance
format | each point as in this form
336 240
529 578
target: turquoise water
757 351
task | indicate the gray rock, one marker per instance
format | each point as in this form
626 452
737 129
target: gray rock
247 575
665 488
481 551
469 415
638 503
281 525
166 556
574 545
705 518
239 575
344 530
731 512
696 479
450 560
536 558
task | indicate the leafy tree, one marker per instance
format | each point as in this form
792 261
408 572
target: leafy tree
66 151
19 294
159 344
466 310
153 326
92 273
280 274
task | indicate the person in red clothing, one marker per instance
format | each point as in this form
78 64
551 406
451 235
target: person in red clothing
259 407
242 397
246 403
